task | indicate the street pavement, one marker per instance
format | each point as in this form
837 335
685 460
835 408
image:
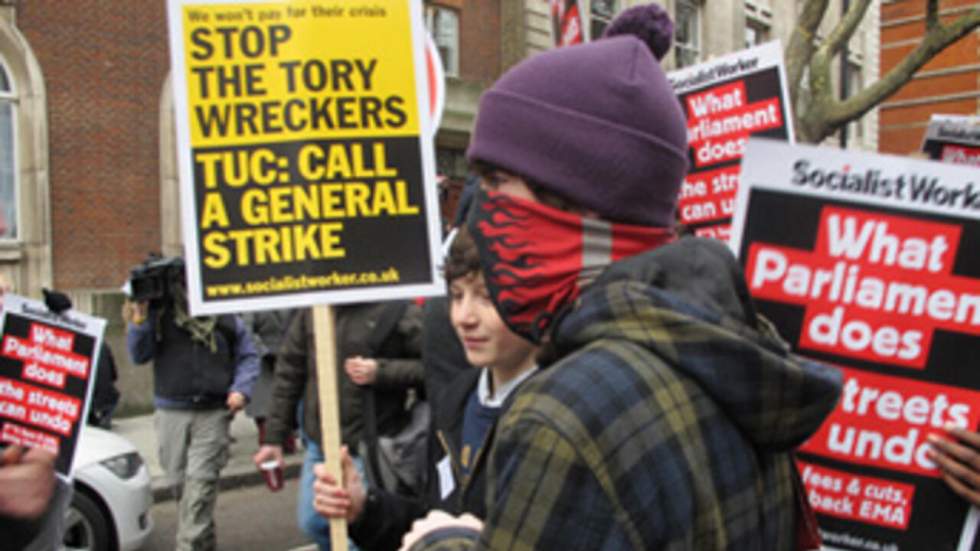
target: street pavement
239 473
240 470
247 518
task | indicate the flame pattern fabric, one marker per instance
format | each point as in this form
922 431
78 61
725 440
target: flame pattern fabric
536 259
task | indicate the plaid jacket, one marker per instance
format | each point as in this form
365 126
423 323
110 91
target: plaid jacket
665 423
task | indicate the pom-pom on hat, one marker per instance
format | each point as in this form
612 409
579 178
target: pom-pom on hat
648 22
598 124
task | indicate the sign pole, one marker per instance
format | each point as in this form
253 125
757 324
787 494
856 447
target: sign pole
325 342
366 169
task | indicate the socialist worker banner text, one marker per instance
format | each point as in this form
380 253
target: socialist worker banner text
868 263
953 139
726 100
307 174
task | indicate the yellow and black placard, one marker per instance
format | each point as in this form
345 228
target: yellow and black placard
305 155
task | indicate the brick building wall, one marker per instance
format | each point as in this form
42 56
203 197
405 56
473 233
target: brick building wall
104 64
949 83
480 63
479 39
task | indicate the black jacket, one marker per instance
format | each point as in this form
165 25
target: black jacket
400 368
186 371
442 353
17 533
387 517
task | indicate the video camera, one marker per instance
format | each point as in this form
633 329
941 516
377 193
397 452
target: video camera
154 279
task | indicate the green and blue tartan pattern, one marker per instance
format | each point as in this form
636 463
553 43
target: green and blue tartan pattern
665 424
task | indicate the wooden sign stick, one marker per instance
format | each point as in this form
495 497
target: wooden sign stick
325 339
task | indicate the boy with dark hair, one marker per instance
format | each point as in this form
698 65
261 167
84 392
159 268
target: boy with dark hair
666 410
464 417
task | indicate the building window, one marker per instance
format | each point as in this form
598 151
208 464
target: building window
756 32
601 13
25 243
443 24
451 163
855 82
8 156
687 36
758 23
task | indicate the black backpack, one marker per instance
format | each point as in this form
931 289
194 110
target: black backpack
395 462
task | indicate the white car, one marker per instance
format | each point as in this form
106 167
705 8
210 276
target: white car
110 507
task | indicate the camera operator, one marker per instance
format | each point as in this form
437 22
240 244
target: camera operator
203 372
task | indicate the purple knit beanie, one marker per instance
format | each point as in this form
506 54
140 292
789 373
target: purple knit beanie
598 124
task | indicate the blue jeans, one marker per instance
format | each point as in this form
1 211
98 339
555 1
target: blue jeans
310 522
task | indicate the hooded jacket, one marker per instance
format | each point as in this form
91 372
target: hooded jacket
666 420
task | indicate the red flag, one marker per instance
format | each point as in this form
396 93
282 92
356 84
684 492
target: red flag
566 22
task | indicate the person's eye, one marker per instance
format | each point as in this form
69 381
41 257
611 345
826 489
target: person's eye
494 180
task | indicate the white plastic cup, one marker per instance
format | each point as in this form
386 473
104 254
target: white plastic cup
273 475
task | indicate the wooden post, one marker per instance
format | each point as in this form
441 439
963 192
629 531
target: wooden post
325 339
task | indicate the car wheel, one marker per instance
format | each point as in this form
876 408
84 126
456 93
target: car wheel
86 526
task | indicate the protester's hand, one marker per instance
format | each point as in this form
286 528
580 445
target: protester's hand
268 452
334 501
236 402
435 521
27 482
135 312
10 455
958 458
363 371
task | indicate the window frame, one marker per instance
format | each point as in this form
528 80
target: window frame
11 97
430 14
855 77
762 30
603 19
691 48
758 19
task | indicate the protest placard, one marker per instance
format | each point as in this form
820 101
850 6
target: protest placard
868 263
953 139
726 100
306 163
47 366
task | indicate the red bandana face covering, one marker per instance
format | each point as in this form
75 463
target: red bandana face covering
536 258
